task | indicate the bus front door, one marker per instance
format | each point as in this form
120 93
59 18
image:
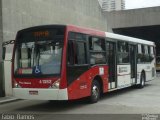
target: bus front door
111 56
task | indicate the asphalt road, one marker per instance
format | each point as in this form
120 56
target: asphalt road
130 103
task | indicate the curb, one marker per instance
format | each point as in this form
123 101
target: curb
8 100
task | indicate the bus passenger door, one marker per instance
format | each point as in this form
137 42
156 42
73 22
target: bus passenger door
133 63
111 57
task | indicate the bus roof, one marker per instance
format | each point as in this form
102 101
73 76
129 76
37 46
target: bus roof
117 36
95 32
129 39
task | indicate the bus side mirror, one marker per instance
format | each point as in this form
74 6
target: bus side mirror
3 53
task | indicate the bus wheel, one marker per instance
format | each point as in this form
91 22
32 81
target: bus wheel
142 83
95 92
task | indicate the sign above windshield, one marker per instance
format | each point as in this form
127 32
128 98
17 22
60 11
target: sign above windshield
40 35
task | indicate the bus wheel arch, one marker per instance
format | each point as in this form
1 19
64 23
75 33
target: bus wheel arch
100 81
96 89
142 79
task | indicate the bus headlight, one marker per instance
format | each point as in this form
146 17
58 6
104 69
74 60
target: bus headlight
56 84
16 85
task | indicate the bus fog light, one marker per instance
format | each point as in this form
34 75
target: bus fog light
56 84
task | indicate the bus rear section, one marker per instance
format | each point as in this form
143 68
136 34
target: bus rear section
37 64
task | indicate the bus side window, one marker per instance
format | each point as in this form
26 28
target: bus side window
70 53
143 54
152 53
77 49
70 49
123 52
146 54
97 50
96 44
81 52
139 55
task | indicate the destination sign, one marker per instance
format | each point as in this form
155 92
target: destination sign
41 34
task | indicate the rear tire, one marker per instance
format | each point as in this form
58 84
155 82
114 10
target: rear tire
142 83
95 92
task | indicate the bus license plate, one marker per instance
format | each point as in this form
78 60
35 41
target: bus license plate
33 92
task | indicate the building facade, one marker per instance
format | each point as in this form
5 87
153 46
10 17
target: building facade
19 14
112 5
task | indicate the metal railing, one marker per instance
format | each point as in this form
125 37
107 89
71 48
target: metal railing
8 42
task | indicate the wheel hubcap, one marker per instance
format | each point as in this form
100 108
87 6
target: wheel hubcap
95 91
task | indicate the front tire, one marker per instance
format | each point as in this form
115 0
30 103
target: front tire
95 92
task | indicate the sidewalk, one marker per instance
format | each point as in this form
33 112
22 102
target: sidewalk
7 99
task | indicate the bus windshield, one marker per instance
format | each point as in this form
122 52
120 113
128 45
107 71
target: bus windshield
38 53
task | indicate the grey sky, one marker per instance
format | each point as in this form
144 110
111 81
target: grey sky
131 4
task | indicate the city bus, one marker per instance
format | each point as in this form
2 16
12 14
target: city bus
67 62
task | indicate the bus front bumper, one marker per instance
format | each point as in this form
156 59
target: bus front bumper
40 94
